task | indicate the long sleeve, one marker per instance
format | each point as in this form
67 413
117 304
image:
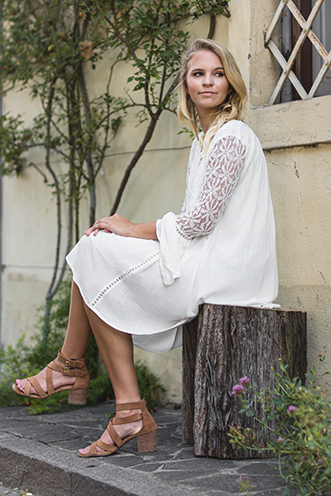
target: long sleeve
222 174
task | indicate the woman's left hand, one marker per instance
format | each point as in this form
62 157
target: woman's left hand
115 224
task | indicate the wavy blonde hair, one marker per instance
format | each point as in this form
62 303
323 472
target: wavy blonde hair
231 108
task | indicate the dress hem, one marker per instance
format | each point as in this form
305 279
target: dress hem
117 328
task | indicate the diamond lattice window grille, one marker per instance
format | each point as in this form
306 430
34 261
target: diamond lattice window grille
306 32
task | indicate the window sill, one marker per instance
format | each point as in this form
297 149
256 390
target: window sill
299 123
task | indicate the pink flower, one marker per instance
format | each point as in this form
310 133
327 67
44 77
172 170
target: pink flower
244 381
280 440
291 409
237 389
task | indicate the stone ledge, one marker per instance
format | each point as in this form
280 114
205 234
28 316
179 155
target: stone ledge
290 124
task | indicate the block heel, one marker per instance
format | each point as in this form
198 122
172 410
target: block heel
78 396
147 443
146 435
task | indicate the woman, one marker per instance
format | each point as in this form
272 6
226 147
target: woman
136 283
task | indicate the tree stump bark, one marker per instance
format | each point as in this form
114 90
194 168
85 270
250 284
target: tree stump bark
223 344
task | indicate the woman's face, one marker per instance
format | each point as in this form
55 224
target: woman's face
206 82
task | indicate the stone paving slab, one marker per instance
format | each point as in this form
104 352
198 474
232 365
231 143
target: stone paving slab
40 453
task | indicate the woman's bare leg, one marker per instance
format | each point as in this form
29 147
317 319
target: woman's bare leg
79 330
75 342
116 349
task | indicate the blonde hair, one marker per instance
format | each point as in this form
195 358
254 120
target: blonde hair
231 108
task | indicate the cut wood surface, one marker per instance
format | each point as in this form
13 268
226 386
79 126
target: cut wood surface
223 344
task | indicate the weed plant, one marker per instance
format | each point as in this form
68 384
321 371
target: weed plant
302 439
25 360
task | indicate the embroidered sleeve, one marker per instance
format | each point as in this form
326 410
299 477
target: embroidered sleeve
222 175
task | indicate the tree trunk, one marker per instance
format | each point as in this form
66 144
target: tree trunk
190 335
232 342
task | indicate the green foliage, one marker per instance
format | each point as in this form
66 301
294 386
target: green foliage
12 139
149 384
45 48
22 492
153 36
302 441
25 360
12 363
245 486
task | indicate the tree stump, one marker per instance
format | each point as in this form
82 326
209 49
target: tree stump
221 345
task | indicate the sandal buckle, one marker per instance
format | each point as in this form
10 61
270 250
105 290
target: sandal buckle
71 371
68 367
72 366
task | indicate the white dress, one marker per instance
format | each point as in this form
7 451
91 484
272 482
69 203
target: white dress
220 249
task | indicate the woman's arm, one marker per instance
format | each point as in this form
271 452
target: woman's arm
222 175
123 227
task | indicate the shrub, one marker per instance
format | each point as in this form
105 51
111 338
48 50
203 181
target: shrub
302 440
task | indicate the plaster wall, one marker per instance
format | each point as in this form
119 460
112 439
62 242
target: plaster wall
296 138
300 181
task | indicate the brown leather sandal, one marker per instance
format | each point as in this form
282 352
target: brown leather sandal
70 368
146 435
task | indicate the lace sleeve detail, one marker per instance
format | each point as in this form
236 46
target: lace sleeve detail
222 175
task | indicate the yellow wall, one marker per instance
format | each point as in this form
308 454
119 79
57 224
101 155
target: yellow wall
296 138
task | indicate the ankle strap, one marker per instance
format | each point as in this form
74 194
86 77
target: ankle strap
70 365
130 406
71 362
126 420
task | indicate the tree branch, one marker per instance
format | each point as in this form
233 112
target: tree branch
136 157
89 159
125 42
32 164
150 130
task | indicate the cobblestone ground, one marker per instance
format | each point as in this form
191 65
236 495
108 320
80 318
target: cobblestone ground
38 454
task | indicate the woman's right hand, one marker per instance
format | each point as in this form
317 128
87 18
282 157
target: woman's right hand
115 224
123 227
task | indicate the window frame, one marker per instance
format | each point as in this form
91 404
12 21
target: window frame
293 69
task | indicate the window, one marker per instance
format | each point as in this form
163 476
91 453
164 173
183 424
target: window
322 28
302 49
